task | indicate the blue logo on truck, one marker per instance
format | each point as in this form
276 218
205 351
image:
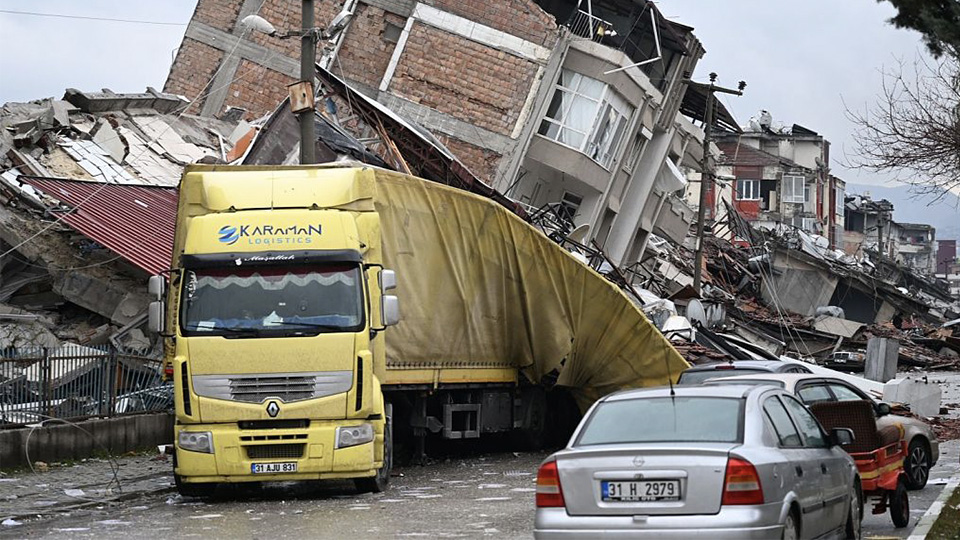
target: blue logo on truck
229 234
268 234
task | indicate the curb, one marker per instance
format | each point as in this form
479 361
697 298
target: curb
926 522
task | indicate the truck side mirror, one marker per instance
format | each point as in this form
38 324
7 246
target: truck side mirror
390 310
157 286
388 280
155 316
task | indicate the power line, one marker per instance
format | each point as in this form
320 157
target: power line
107 19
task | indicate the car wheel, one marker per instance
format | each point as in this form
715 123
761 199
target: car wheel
854 528
791 528
900 506
917 464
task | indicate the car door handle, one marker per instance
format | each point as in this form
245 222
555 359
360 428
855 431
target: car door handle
823 468
799 470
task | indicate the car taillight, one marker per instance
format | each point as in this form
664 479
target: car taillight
742 483
549 492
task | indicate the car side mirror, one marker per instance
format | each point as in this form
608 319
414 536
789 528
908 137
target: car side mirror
842 436
883 409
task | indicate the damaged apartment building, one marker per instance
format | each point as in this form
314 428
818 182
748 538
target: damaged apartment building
777 175
578 108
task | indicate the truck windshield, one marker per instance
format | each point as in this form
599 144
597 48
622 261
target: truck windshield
272 300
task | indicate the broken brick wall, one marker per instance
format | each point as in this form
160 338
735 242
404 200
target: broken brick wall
480 84
193 68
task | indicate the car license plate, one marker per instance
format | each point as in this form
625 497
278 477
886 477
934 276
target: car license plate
643 490
273 468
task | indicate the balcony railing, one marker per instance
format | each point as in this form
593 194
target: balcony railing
590 27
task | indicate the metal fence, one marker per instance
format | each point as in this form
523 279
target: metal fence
73 382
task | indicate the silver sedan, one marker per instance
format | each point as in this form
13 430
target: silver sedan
700 462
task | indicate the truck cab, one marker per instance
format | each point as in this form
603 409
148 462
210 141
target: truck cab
273 313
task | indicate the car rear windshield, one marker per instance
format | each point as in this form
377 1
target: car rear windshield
697 377
664 419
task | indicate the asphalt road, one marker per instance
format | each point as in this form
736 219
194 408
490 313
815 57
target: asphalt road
473 495
483 495
477 496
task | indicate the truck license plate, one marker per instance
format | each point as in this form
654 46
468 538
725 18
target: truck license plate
644 490
273 468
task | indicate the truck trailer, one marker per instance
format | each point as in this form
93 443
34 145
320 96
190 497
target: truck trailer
282 330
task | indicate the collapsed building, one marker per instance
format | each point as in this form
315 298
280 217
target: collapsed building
577 130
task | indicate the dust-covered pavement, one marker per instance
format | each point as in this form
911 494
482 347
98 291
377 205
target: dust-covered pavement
482 495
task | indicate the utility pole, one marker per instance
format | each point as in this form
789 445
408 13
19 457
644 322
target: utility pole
308 58
706 176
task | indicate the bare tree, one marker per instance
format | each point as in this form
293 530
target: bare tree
913 130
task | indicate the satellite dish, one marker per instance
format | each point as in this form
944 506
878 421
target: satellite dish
579 234
695 312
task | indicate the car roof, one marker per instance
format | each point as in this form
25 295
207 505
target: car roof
729 391
789 379
747 364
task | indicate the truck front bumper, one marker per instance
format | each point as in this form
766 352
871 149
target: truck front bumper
313 449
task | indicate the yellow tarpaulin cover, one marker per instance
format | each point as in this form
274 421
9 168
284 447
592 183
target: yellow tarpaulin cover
478 286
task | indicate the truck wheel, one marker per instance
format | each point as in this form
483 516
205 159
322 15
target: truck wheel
378 483
191 490
900 506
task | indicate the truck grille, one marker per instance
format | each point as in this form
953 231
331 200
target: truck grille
275 451
259 387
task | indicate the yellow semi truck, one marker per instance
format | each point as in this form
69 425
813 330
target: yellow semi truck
276 310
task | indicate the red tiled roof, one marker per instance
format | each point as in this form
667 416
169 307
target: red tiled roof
135 222
740 154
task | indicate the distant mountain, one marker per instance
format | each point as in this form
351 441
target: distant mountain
943 215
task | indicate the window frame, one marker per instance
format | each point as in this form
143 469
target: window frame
802 409
773 424
755 191
792 179
603 152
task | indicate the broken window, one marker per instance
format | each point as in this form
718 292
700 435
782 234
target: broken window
586 115
570 203
794 189
838 196
748 190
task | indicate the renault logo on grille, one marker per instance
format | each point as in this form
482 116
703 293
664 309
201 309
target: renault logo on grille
273 409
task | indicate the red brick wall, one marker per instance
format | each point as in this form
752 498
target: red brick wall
480 161
194 67
521 18
364 55
220 14
462 78
285 16
257 89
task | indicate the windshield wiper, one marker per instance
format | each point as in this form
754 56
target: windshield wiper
309 325
228 329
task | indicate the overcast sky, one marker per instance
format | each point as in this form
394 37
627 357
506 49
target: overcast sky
801 60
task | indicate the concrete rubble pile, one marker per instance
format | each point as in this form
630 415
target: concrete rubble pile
62 292
789 295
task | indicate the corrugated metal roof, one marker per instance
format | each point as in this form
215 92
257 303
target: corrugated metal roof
135 222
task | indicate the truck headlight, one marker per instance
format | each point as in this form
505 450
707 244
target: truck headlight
354 435
196 441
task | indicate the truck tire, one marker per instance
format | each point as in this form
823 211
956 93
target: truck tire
534 434
191 489
379 482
